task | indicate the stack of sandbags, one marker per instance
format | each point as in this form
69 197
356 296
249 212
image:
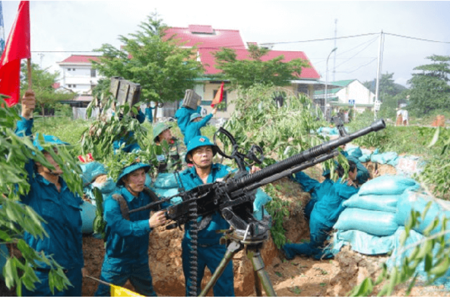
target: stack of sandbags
428 210
368 220
390 158
166 185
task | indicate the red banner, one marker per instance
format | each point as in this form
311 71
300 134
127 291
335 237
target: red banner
218 97
17 47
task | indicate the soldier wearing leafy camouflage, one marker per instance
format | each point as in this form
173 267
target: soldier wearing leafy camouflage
171 157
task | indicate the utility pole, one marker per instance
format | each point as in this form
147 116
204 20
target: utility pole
334 57
377 103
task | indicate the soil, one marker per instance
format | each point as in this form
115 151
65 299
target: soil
298 277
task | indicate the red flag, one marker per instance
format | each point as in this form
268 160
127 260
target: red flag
218 97
17 47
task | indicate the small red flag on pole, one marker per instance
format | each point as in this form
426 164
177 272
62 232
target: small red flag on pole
218 97
17 47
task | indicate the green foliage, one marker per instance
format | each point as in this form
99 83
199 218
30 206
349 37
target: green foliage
437 171
16 218
387 86
251 71
104 131
374 139
42 85
430 87
279 210
158 63
271 128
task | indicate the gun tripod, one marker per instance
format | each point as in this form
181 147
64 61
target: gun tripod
237 242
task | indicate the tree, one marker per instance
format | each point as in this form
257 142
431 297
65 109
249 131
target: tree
390 93
42 85
387 86
254 70
162 68
430 87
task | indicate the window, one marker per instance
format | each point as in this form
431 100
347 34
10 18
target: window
69 85
73 70
93 72
68 69
224 100
303 89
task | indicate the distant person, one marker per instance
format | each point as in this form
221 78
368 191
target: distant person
127 142
196 122
172 160
149 113
183 116
323 216
399 120
405 121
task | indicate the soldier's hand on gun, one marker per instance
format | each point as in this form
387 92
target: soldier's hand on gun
254 169
28 104
157 219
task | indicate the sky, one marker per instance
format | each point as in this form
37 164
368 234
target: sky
413 30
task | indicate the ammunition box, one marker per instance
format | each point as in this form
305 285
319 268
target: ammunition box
191 99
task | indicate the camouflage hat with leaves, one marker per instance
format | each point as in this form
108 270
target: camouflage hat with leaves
124 163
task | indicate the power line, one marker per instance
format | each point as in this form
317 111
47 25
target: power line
358 67
319 40
415 38
371 42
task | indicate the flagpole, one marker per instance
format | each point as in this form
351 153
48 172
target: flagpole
29 72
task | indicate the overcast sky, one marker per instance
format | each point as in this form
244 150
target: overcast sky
291 25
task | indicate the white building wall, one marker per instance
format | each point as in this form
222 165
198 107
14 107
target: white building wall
356 91
78 77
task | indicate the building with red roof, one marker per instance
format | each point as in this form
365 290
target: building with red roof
208 40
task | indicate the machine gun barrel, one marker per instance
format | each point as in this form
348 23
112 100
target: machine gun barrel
301 158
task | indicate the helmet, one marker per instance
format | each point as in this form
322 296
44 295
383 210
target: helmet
159 128
199 141
130 169
48 139
195 116
91 171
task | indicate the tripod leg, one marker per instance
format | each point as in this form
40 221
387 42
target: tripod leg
261 276
232 249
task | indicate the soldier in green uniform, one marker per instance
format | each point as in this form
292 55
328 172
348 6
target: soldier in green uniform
171 159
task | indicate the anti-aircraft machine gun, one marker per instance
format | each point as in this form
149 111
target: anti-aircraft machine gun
234 197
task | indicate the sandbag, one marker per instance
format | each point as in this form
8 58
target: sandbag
165 193
166 181
355 152
398 255
385 158
418 202
366 155
365 243
388 185
374 222
261 199
87 217
386 203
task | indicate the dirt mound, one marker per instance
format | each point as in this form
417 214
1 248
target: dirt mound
166 264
